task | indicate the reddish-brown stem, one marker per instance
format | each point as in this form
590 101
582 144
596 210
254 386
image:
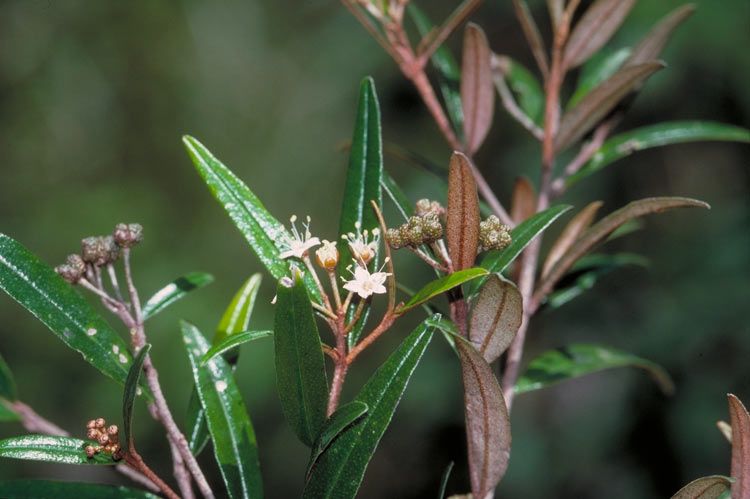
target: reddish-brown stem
428 259
136 462
584 155
381 328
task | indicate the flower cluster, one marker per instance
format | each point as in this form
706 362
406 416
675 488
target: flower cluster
493 234
107 437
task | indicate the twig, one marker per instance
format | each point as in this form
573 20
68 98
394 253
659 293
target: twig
509 102
584 155
427 259
180 473
432 41
136 461
381 328
388 259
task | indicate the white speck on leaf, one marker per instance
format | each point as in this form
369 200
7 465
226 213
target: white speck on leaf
123 358
221 386
115 349
91 331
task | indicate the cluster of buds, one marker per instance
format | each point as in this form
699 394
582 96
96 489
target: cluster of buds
107 438
493 234
99 251
418 230
425 207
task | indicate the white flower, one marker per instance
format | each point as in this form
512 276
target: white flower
327 255
363 249
299 244
365 283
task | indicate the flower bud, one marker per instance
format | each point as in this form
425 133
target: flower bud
100 423
69 273
494 235
90 451
113 430
99 250
128 235
425 207
92 434
103 438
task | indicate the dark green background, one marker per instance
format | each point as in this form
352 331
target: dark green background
94 97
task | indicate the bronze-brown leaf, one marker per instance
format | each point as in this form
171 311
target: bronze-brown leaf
487 422
462 217
570 233
739 420
477 88
533 37
523 202
594 29
495 317
654 42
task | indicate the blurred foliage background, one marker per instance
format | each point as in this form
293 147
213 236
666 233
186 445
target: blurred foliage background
94 97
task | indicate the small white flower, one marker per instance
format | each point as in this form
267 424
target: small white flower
363 249
327 255
298 244
365 283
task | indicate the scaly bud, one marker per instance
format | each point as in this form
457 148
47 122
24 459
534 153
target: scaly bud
493 234
128 235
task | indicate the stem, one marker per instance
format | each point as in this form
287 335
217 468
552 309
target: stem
427 259
381 328
136 461
355 318
180 473
509 102
152 379
335 288
113 280
311 269
341 366
584 155
388 260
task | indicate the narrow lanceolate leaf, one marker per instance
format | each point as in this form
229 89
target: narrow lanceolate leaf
128 397
51 449
7 383
487 422
495 317
441 285
449 73
523 202
62 309
599 102
595 28
261 230
477 87
663 134
232 432
570 233
394 192
599 232
365 172
174 291
522 234
234 321
339 470
708 487
300 367
47 489
531 32
596 71
739 420
462 218
653 43
233 342
578 360
340 420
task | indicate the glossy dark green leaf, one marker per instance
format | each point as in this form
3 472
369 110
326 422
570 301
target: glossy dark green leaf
578 360
496 315
596 71
47 489
235 320
449 73
444 480
589 270
51 449
365 172
62 309
441 285
487 421
739 420
526 89
128 397
598 103
340 420
653 43
708 487
339 470
300 367
232 432
234 341
522 234
6 412
676 132
174 291
7 383
261 230
600 21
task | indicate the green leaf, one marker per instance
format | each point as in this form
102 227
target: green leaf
674 132
262 231
234 341
174 291
51 449
496 315
7 414
340 420
653 43
596 71
365 172
339 470
235 320
47 489
522 234
578 360
62 309
402 203
591 268
525 87
131 389
300 367
449 73
7 383
232 432
708 487
441 285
